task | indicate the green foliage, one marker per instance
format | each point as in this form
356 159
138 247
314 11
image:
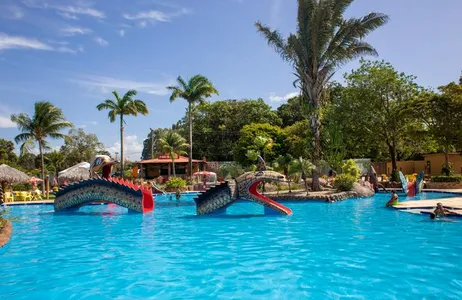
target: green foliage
350 168
151 145
230 169
323 42
344 182
298 139
447 169
217 125
334 146
7 155
120 107
173 144
47 122
292 112
246 142
175 183
81 147
5 217
452 178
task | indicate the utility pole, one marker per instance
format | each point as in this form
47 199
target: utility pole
116 153
152 143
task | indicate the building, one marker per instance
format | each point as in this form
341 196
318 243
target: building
431 165
163 166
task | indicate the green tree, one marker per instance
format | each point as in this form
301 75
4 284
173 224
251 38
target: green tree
151 145
292 112
195 91
376 97
47 122
55 159
323 42
303 167
125 106
442 114
334 147
81 147
173 144
298 139
7 155
246 142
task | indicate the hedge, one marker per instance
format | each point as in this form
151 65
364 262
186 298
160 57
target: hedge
442 178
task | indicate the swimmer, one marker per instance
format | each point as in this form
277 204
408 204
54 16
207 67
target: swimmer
178 195
393 200
440 211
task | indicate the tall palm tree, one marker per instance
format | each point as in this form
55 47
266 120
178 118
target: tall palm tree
323 42
302 167
195 91
56 160
173 144
47 122
125 106
283 164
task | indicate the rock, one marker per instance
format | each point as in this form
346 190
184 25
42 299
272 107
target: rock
363 189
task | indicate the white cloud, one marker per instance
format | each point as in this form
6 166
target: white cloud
274 98
5 122
71 31
19 42
154 16
65 49
70 12
67 15
121 32
107 84
11 12
101 41
132 148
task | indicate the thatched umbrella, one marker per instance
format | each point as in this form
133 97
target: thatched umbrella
75 173
9 175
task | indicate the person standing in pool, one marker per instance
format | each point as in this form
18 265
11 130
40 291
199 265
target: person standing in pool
393 200
440 211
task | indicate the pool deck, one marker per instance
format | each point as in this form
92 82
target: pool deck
38 202
449 203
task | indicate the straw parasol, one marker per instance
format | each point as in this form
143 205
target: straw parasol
9 175
75 173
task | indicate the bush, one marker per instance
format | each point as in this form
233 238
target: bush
350 167
447 170
454 178
344 182
175 183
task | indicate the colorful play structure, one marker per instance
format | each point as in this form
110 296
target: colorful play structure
104 189
412 188
216 199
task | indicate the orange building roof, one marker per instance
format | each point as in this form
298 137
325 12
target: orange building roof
165 160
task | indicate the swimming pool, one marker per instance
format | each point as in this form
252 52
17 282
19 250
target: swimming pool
355 249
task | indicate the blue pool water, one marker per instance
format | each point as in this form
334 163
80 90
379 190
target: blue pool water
352 249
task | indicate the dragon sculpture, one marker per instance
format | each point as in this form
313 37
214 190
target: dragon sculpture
218 198
104 189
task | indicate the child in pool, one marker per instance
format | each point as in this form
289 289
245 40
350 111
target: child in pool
393 200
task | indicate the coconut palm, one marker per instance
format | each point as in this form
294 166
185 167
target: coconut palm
56 160
173 144
125 106
302 167
323 42
195 91
47 122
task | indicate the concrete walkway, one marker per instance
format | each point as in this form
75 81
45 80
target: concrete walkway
37 202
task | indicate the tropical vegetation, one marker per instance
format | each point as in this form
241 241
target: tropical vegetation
324 41
47 122
121 107
173 144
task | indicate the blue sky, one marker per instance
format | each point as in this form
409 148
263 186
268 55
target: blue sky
74 53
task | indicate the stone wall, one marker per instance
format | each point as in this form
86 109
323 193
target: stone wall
322 198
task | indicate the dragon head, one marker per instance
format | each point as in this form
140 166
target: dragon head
247 184
102 163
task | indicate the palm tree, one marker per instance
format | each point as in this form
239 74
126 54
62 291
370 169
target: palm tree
56 160
303 167
323 42
195 91
173 144
47 122
125 106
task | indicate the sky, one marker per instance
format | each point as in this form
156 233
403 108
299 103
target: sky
73 53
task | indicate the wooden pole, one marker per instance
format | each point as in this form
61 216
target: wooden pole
48 186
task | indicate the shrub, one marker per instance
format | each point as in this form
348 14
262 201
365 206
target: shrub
454 178
447 170
344 182
350 167
175 183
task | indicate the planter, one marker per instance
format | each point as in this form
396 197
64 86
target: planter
5 233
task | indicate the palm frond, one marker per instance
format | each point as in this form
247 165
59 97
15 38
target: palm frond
275 39
27 146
